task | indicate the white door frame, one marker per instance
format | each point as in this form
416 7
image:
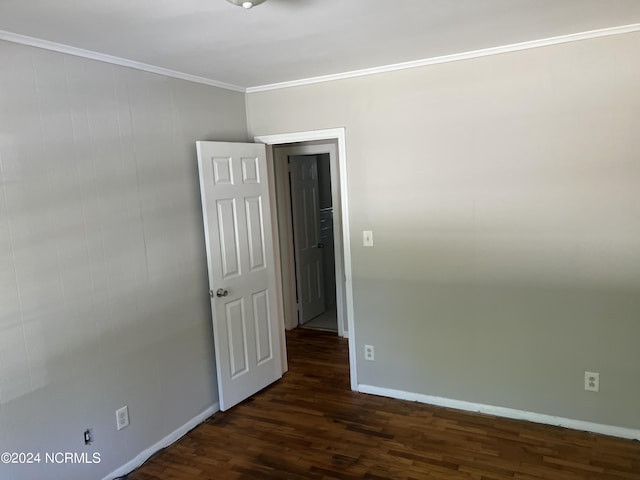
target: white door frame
340 170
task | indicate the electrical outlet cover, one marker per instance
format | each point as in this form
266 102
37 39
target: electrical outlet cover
592 381
368 352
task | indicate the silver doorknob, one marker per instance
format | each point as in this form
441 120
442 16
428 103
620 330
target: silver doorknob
221 292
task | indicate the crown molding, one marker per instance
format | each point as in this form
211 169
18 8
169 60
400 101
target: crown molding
101 57
574 37
123 62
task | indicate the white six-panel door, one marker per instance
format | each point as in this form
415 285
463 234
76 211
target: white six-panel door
237 221
306 237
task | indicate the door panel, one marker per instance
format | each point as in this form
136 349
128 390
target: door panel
263 327
306 238
228 241
241 268
255 228
235 319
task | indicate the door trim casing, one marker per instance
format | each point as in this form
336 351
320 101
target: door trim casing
331 134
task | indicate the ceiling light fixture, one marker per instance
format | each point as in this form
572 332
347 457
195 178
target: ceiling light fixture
245 3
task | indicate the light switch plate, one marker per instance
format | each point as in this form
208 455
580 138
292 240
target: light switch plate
122 417
367 238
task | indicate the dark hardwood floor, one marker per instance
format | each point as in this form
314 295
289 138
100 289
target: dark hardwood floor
310 425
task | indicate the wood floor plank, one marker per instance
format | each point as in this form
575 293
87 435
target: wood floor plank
311 426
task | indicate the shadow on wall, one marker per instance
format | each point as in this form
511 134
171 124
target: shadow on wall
511 320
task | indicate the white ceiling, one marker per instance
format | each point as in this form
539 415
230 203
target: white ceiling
286 40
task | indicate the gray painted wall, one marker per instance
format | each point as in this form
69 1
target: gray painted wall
103 285
504 197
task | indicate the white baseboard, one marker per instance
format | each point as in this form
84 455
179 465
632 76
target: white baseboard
503 412
165 442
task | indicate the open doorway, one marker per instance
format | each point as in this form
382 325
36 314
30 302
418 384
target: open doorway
315 142
313 243
310 232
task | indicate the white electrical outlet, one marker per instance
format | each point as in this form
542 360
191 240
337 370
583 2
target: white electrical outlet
592 381
122 417
368 352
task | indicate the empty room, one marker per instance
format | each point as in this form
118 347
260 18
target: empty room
319 239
